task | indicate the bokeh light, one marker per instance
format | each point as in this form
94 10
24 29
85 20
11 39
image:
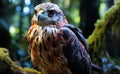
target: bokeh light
27 2
13 30
26 10
18 8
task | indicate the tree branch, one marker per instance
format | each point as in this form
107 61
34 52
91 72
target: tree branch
7 66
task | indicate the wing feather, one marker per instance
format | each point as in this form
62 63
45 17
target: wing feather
75 51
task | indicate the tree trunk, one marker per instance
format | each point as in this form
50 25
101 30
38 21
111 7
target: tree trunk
89 14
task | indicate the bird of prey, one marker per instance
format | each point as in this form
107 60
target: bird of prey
57 47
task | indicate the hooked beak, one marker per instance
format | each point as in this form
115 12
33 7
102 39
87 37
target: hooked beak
42 15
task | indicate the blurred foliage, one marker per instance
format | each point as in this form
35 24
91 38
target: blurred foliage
15 19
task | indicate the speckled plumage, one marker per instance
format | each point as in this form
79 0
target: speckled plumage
54 47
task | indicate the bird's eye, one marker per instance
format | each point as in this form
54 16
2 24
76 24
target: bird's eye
51 13
35 12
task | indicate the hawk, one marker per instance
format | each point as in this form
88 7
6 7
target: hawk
57 47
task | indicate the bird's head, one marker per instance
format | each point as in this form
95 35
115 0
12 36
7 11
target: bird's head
48 14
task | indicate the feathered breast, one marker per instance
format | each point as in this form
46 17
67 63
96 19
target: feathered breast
46 46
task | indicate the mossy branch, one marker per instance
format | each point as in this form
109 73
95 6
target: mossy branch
105 38
110 21
7 66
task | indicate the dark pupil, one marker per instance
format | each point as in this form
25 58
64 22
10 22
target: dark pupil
51 13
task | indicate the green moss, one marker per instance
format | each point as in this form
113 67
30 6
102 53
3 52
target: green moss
30 70
115 29
111 18
7 63
4 54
